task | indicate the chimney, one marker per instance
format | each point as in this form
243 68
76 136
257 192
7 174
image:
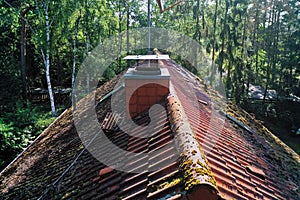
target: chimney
146 84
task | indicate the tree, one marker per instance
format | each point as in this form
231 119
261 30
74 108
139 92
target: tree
11 67
238 36
223 34
23 52
43 9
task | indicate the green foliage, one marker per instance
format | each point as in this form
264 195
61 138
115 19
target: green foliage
43 123
19 125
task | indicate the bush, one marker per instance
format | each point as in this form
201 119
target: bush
20 124
12 142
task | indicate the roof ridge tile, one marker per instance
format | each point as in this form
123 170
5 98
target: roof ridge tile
197 174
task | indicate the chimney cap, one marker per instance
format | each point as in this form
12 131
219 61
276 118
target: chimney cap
133 74
147 57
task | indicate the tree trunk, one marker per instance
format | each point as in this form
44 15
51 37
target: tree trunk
73 73
47 62
228 82
275 56
203 17
267 84
255 38
214 42
120 30
23 55
127 33
74 61
231 59
244 57
223 40
270 51
87 44
197 34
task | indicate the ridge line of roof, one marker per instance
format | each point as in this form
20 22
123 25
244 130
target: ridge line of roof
193 163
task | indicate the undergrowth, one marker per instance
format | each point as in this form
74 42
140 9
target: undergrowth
20 124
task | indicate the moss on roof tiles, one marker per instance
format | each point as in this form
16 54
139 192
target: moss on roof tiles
193 165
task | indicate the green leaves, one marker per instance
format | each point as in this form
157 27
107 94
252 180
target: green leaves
19 126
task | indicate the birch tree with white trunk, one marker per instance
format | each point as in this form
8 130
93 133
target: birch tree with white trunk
46 52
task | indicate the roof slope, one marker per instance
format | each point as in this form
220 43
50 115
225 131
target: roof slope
242 161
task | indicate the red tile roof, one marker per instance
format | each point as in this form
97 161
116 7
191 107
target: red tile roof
240 160
206 154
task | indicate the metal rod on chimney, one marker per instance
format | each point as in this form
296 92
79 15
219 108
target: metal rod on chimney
148 26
